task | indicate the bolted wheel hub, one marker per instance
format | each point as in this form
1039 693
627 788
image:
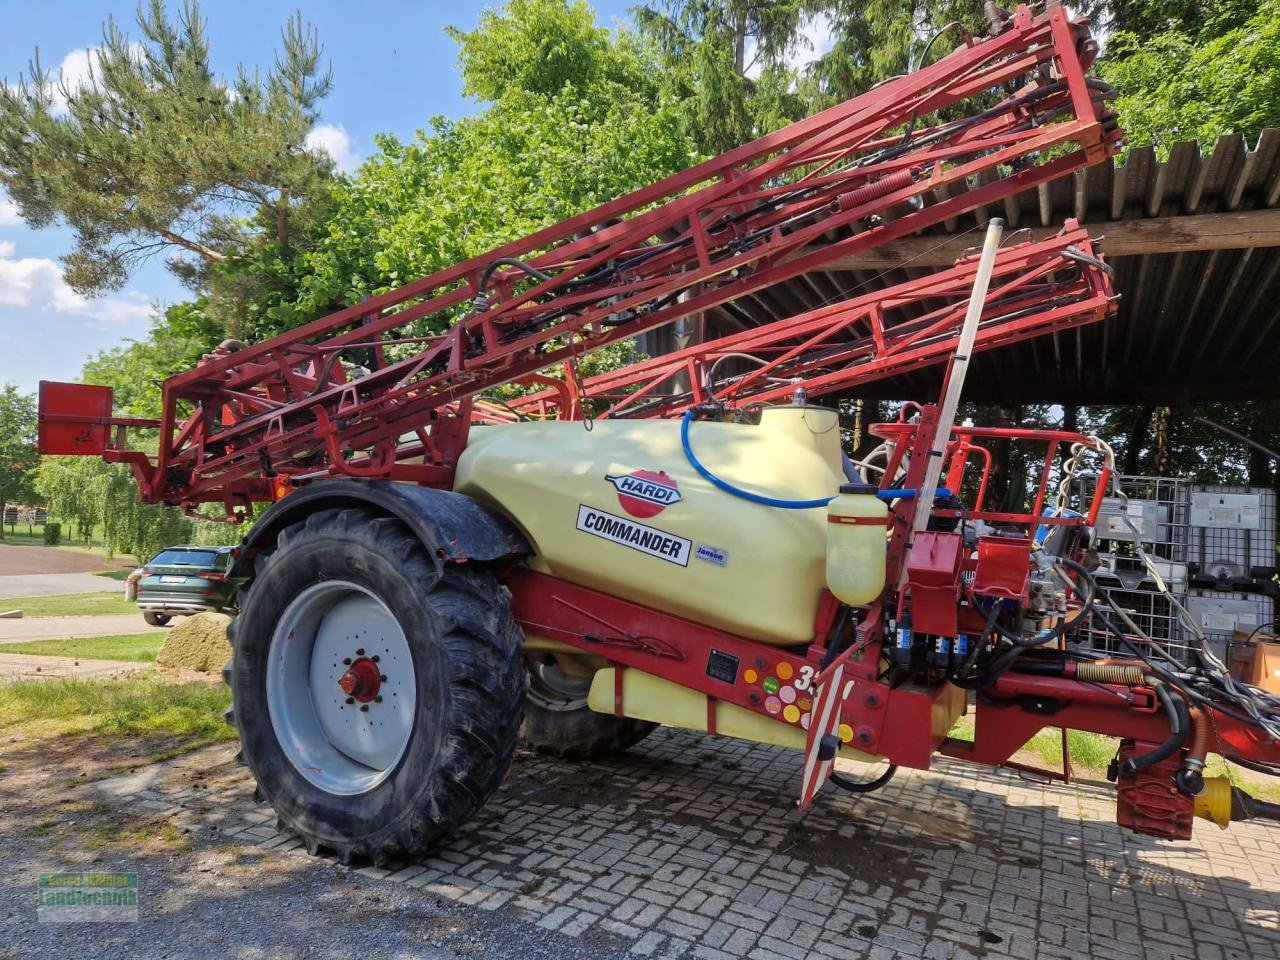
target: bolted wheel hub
362 680
341 687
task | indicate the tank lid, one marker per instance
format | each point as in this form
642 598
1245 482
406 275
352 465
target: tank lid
858 488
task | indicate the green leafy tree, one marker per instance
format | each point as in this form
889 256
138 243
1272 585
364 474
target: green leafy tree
156 154
725 63
18 457
572 139
103 498
1182 85
874 41
68 487
1151 18
541 47
136 369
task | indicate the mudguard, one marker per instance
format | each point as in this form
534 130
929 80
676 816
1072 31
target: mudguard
455 528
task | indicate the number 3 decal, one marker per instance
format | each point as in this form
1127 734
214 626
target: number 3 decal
806 677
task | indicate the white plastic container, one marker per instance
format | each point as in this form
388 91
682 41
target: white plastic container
856 524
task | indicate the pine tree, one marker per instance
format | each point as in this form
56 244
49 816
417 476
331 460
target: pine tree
156 154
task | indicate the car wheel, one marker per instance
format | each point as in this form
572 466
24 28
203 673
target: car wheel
157 619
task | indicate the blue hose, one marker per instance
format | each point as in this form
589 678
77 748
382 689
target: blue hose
773 501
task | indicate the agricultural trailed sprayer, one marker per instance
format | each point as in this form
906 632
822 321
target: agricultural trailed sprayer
682 540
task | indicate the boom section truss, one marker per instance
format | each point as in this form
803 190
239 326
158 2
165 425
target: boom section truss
993 118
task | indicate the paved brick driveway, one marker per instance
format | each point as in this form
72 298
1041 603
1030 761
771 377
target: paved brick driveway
688 847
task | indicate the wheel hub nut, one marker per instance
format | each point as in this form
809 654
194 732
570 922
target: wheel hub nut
362 680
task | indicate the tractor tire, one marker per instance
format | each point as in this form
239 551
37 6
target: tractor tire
558 721
392 762
157 619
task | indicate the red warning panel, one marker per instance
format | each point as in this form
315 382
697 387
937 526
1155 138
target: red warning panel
75 418
827 708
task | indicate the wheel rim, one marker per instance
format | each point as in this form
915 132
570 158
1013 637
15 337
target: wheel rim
553 689
341 687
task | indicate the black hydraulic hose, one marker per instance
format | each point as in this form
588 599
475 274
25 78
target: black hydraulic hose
1040 668
1086 598
1188 690
322 381
1169 677
853 786
972 683
532 271
1264 809
1179 726
1057 631
1245 807
835 646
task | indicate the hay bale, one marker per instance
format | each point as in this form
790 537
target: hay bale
197 643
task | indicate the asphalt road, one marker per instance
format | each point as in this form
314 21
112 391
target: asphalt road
52 628
25 559
49 584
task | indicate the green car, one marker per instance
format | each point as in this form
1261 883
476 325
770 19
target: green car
184 580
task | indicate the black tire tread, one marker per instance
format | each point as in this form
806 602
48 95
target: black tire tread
579 734
487 681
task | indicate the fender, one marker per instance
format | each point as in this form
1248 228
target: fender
454 527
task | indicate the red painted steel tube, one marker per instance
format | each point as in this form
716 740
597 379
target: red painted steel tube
851 342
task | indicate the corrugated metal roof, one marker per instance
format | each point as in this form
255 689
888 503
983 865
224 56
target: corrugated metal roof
1193 323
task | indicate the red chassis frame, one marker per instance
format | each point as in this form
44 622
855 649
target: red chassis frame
756 216
907 723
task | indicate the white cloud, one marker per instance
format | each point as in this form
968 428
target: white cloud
333 139
816 39
817 31
9 214
78 69
35 283
119 311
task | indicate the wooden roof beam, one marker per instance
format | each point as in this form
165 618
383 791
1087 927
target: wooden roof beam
1240 230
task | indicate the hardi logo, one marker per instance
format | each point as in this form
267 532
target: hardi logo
645 493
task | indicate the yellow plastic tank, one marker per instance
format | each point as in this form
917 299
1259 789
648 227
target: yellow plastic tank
856 524
619 508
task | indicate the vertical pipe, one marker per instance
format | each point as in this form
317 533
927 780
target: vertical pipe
955 382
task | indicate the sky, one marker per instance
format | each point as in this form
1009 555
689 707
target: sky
393 67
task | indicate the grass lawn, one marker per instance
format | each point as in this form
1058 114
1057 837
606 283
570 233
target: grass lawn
114 574
72 605
123 706
20 538
1092 752
133 647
